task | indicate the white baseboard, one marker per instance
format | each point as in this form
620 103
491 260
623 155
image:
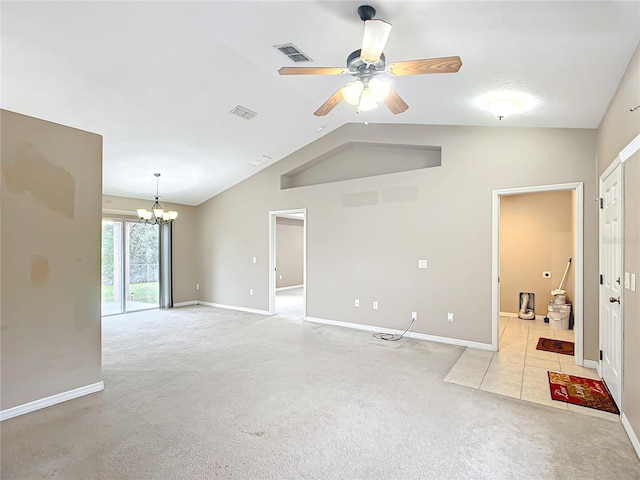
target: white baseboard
186 304
417 336
49 401
591 364
515 315
233 307
632 435
279 289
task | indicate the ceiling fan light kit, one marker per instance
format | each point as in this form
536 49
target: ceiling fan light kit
366 96
367 90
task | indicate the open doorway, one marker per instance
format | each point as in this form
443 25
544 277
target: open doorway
543 229
287 263
537 245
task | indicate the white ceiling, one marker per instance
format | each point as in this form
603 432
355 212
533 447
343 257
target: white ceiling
158 79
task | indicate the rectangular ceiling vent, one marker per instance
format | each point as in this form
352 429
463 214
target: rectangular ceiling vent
293 52
243 112
260 160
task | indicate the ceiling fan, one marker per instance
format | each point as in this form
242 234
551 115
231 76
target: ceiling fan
367 63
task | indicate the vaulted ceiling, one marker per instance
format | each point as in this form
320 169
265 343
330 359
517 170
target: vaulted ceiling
158 79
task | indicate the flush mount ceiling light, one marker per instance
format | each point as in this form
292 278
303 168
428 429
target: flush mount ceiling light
503 107
157 215
503 104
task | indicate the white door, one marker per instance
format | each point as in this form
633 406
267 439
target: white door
611 290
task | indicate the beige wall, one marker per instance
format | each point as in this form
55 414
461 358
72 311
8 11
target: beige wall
184 238
619 126
535 236
370 250
289 252
50 314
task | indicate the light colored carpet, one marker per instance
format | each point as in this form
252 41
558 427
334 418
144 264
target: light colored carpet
199 392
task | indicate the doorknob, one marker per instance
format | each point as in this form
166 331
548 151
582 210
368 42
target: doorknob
614 299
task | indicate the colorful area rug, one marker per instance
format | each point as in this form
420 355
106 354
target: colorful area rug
555 346
581 391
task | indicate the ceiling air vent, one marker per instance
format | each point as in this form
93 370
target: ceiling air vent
293 52
260 160
243 112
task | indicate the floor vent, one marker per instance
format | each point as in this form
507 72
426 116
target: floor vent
293 52
243 112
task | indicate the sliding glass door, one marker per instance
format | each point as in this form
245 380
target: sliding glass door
130 268
142 287
112 267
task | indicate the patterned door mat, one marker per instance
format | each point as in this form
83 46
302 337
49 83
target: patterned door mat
555 346
581 391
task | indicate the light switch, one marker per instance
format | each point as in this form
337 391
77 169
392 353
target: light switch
626 280
633 282
422 264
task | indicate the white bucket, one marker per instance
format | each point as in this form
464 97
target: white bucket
558 321
560 300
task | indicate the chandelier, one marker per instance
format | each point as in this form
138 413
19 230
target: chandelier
157 216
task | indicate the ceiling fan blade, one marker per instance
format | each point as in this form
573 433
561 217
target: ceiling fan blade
376 33
311 71
395 103
428 65
330 104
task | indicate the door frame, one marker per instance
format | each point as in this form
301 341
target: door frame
617 163
273 214
578 304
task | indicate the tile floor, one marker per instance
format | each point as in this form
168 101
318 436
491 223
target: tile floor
518 370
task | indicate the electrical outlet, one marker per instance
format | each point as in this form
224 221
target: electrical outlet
450 317
375 305
197 286
251 291
546 274
414 315
255 260
356 303
280 277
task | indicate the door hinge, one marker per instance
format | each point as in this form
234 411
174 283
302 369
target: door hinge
601 203
600 354
601 280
